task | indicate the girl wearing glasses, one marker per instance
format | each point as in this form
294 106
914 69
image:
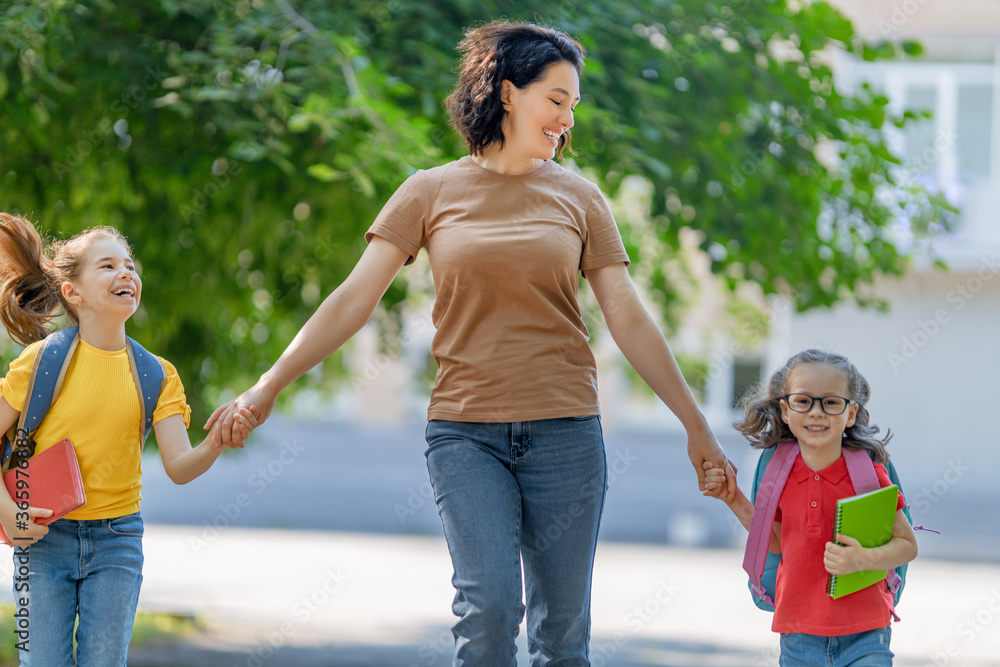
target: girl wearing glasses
818 399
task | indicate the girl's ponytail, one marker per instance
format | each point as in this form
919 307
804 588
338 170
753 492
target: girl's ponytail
29 298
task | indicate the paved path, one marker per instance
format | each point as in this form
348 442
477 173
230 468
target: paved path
305 599
372 587
311 599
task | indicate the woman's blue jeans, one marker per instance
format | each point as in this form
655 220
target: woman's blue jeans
512 492
91 568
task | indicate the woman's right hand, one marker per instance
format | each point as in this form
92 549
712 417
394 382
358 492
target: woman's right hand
255 396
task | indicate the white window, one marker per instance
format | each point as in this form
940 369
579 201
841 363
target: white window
957 150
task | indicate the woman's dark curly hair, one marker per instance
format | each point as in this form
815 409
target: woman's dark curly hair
517 52
762 424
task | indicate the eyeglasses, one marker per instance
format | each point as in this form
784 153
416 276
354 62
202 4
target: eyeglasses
831 405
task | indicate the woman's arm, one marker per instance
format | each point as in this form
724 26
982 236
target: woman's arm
643 344
181 461
850 556
9 511
340 316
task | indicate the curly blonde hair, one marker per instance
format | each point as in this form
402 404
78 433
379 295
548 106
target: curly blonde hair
762 424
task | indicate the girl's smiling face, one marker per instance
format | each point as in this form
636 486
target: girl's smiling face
107 283
819 434
539 114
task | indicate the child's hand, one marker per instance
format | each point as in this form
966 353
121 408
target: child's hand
244 421
25 532
845 558
715 481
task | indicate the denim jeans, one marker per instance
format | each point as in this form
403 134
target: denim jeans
91 568
512 492
864 649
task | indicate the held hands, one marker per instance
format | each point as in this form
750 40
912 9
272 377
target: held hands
715 481
704 449
717 485
225 416
847 557
705 454
244 420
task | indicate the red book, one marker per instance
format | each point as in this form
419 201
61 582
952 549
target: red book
52 480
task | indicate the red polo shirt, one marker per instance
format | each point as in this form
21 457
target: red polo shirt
806 512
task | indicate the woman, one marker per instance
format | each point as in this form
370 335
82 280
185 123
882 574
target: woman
515 451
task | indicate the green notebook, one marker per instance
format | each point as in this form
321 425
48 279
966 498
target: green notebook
868 518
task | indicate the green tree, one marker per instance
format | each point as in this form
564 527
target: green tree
245 146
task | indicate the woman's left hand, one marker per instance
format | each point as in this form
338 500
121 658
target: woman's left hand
702 446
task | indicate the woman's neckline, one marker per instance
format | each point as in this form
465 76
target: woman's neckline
531 172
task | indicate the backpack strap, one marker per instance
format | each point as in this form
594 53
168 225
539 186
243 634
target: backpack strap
49 371
897 577
44 383
47 377
148 375
765 507
861 470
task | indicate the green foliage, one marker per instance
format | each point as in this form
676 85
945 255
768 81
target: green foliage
149 628
245 146
8 654
163 629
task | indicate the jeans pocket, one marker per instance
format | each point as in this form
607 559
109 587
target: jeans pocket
585 418
129 525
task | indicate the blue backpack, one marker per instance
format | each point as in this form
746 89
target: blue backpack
768 482
46 380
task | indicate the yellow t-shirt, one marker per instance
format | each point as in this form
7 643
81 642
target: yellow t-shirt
506 252
98 410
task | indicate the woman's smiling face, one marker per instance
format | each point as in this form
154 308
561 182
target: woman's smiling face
539 114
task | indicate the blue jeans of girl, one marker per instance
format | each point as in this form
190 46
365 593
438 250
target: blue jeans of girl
88 568
864 649
508 493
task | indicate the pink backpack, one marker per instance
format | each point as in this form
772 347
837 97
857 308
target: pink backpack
765 495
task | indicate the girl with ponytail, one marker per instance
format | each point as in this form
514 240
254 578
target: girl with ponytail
91 279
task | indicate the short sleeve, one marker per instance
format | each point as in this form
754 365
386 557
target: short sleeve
15 383
172 400
402 221
884 481
603 243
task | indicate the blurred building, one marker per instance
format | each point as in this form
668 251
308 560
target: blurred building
934 360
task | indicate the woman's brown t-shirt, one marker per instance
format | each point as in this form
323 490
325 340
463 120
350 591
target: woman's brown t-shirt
504 252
